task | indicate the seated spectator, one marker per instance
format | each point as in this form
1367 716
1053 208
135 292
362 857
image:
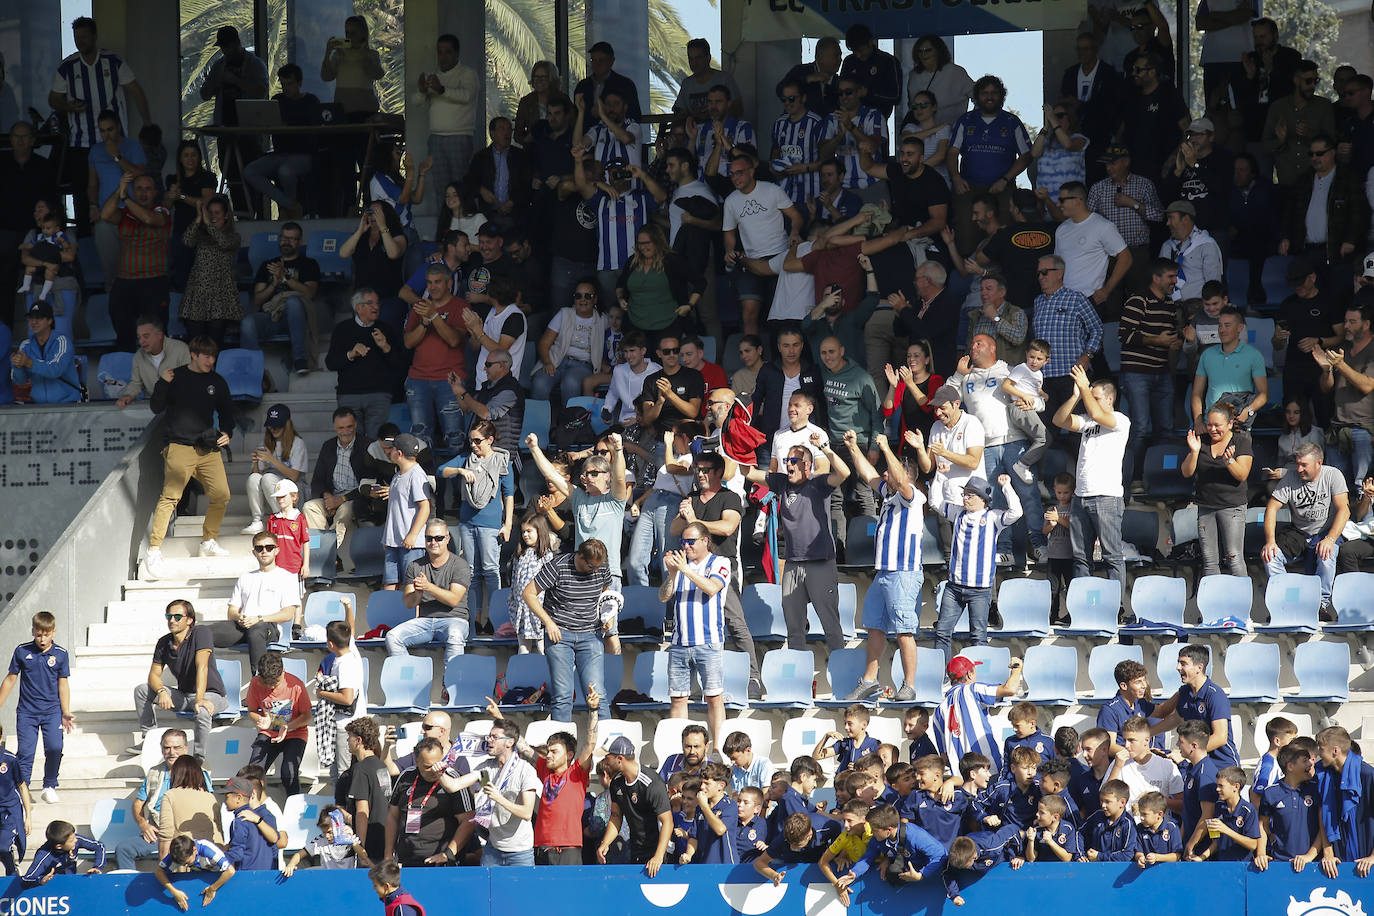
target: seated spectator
495 321
1319 503
48 255
436 585
188 807
692 354
262 600
1221 465
367 356
338 469
751 359
657 288
1349 373
276 175
282 456
211 302
571 348
1192 248
46 361
284 293
147 803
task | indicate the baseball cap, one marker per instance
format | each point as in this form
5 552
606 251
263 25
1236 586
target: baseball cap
1113 153
981 487
277 415
240 786
1182 206
621 747
406 444
1201 124
1299 269
41 308
227 35
961 666
1368 266
284 487
944 395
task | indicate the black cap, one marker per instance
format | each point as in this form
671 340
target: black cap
41 308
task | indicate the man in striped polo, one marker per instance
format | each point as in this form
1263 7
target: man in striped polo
961 722
892 605
570 585
695 581
973 558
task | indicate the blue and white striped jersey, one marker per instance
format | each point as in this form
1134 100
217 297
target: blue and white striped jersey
617 224
961 725
698 618
97 85
736 131
870 122
799 142
973 557
897 542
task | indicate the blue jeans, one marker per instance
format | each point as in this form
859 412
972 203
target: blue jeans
452 631
952 605
293 321
432 404
1355 464
567 379
575 655
998 459
482 549
286 168
651 530
495 858
1098 517
1289 538
27 727
395 560
130 850
1149 401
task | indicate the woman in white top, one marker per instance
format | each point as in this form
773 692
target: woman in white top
1058 148
922 121
936 72
282 456
1296 428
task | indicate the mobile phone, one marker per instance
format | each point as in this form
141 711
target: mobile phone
486 778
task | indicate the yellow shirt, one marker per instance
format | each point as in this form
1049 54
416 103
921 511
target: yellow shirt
852 846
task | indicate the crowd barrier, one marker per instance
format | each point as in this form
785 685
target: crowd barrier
1208 889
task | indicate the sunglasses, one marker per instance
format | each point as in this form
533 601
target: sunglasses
704 469
602 451
425 726
1046 273
584 295
1317 153
494 362
688 542
669 351
791 460
176 617
790 98
264 548
435 538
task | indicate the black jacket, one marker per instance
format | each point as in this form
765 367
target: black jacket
620 83
939 325
482 174
323 480
768 397
375 373
1097 113
1347 214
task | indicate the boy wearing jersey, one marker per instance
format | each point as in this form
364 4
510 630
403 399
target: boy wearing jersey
892 607
695 581
973 558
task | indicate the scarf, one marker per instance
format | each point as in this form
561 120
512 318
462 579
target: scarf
322 717
486 477
1340 801
486 809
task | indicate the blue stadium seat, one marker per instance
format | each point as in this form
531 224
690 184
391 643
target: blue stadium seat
384 608
297 666
849 599
823 796
405 682
995 661
1352 595
538 416
1252 670
1166 666
729 358
788 675
930 677
112 822
762 602
1140 529
735 673
1102 662
1161 600
858 545
1323 672
961 626
400 415
843 670
175 327
323 245
300 816
100 329
320 609
88 256
115 370
1052 675
931 554
1092 605
365 549
231 672
469 680
1183 526
227 749
1259 333
64 311
498 614
1025 608
262 247
530 670
528 364
594 406
242 369
1162 477
1222 596
708 348
324 551
612 676
650 679
1111 344
1293 600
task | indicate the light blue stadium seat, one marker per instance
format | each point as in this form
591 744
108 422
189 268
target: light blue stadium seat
538 416
1259 333
1166 666
405 682
469 680
1252 670
848 606
612 675
1161 474
995 663
231 672
263 247
530 670
100 328
735 674
1025 608
1052 675
300 816
1183 525
323 245
366 550
651 679
1323 672
115 370
112 822
1293 601
384 608
762 602
843 670
297 666
930 677
242 369
1221 596
858 545
1102 662
88 256
930 542
1092 605
324 550
320 609
788 675
1160 599
1352 595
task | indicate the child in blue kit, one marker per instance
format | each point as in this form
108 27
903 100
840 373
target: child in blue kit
851 746
717 820
792 794
41 669
682 796
916 727
15 805
1235 827
1054 778
1025 733
1109 833
1199 782
1158 836
1278 731
904 852
1013 800
1290 813
976 770
901 780
924 808
796 844
1051 838
57 855
752 838
971 856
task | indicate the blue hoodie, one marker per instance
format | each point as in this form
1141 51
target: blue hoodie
54 371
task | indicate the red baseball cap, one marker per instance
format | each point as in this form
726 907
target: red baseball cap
961 666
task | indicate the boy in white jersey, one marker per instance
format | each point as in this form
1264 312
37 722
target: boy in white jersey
892 607
695 580
973 558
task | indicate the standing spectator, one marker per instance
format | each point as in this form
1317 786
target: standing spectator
565 595
1319 503
1194 252
934 71
1066 319
409 506
753 220
262 600
377 248
1233 366
424 815
622 208
1221 465
282 456
1149 335
1152 116
973 558
211 302
435 331
1089 245
1267 75
1150 34
922 122
639 800
935 318
692 354
366 354
189 808
41 670
235 74
191 396
1227 39
155 351
720 131
751 361
1096 87
851 406
695 583
508 799
500 174
602 78
293 154
1327 217
820 78
1293 123
778 380
116 156
1097 500
1344 819
910 389
1059 148
1016 247
694 92
450 94
87 83
1350 374
1253 221
26 178
340 465
191 180
141 282
809 574
187 652
955 453
279 708
989 149
1308 320
496 323
46 361
797 136
961 723
878 72
1199 699
597 501
1131 203
851 130
352 66
487 516
658 288
284 293
627 379
369 786
436 585
1201 173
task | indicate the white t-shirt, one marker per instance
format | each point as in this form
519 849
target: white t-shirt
790 385
1030 381
786 438
981 394
949 477
507 832
262 594
1157 774
1224 46
1100 454
1085 248
626 385
757 216
579 335
793 296
348 668
299 460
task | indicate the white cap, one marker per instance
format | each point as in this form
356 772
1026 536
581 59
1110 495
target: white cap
284 487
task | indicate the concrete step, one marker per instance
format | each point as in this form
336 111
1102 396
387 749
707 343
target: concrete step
199 569
191 526
164 591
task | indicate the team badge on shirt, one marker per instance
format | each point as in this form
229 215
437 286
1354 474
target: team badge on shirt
1062 839
52 660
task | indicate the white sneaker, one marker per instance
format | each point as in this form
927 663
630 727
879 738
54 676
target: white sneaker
154 567
254 527
212 549
49 796
1023 472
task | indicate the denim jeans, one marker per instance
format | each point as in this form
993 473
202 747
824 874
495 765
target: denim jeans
1288 539
417 631
482 549
145 702
1149 401
293 321
129 851
566 379
651 530
998 459
432 403
286 168
952 605
1098 517
575 655
1221 532
1354 464
495 858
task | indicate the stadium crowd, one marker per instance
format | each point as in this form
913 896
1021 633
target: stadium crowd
915 334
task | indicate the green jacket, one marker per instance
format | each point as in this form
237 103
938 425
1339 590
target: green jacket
851 402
